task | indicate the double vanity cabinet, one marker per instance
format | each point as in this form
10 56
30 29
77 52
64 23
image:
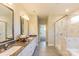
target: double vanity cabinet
29 49
22 48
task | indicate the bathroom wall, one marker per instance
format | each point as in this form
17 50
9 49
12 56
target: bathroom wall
33 25
16 22
50 31
26 27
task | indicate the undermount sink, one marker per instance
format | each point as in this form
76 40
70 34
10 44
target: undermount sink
11 51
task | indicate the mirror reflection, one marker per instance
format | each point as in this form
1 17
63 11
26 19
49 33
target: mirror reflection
6 25
24 26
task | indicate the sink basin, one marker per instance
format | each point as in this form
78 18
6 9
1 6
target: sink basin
11 51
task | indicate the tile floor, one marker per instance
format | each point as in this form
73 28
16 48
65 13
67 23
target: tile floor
43 50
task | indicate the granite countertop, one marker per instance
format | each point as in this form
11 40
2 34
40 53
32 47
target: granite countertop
17 43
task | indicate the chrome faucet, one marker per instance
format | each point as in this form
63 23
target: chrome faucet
5 45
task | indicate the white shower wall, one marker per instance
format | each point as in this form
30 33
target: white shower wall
73 42
67 35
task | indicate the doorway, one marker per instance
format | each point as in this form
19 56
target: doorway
42 35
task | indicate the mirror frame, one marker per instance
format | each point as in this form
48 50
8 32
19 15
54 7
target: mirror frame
12 20
21 26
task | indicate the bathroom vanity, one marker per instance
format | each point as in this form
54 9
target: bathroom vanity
21 48
29 48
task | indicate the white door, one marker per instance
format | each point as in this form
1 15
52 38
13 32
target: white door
2 32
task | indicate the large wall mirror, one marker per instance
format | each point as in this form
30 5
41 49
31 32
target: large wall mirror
6 23
24 26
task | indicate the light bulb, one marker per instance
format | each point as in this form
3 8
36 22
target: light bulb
67 10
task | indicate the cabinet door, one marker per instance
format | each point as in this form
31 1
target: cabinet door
25 51
29 49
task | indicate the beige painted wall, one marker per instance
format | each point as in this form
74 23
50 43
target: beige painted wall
33 25
26 27
50 31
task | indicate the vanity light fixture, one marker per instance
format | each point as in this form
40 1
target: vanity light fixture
67 10
26 17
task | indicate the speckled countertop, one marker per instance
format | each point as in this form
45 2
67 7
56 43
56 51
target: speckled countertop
18 43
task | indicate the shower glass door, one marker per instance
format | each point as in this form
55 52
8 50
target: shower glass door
61 35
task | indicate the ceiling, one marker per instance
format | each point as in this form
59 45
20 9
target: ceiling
45 9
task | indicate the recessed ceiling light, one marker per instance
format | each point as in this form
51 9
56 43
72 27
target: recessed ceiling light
67 10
